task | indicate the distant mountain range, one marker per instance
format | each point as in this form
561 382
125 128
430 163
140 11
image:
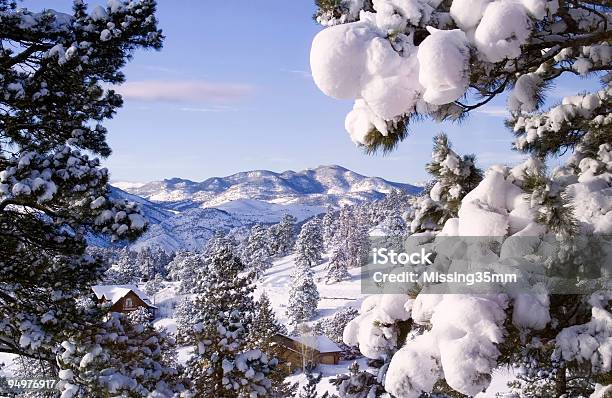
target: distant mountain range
184 214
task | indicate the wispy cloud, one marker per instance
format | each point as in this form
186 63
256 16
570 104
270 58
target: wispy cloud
302 73
183 91
211 109
493 111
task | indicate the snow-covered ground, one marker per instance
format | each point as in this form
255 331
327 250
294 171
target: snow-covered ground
275 282
277 279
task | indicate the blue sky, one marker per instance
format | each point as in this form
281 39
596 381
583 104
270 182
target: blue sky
237 95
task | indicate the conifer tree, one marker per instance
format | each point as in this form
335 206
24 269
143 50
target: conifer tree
153 286
339 263
428 58
146 264
395 228
185 316
141 316
255 252
309 390
394 224
329 226
357 384
184 267
352 234
334 327
152 262
309 245
263 331
27 367
123 271
265 326
454 177
281 236
56 70
222 365
120 357
488 50
303 295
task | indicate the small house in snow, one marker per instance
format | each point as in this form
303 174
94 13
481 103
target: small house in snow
123 298
300 350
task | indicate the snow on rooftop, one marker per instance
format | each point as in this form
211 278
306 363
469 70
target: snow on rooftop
114 293
320 343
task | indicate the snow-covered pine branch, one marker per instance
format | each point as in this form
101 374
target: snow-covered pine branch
402 59
55 72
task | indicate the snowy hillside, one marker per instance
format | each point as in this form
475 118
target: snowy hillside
184 214
190 229
153 212
275 282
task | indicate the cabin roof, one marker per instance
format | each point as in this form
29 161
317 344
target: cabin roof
320 343
114 293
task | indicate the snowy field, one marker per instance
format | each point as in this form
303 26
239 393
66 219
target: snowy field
275 282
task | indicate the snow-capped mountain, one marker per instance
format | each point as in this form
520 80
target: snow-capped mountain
323 185
185 214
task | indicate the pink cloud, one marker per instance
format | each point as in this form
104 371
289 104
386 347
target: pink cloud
183 91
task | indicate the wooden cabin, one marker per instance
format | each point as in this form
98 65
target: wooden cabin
296 351
123 298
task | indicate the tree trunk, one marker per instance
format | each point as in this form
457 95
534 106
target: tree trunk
560 383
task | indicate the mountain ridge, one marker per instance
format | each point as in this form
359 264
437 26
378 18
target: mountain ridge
266 185
184 214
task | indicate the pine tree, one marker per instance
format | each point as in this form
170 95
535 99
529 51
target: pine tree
548 197
185 314
152 262
255 252
309 390
395 229
27 367
489 51
122 358
339 263
184 267
357 384
123 271
141 316
451 47
454 177
56 70
153 286
265 326
222 366
334 327
263 331
309 245
329 226
281 236
192 265
352 233
303 295
395 202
